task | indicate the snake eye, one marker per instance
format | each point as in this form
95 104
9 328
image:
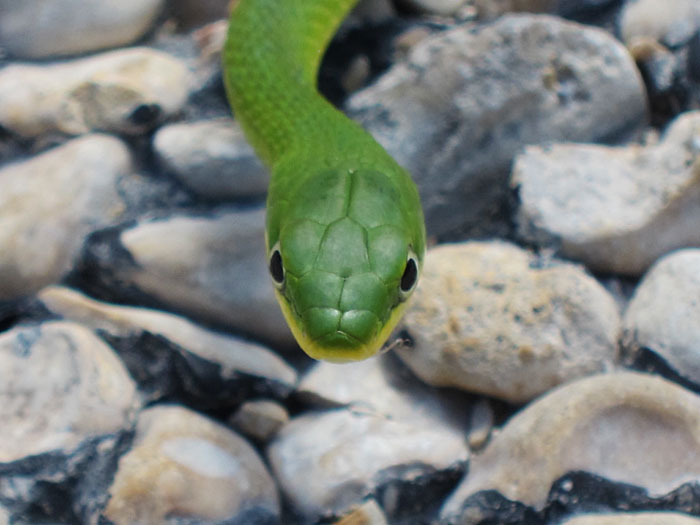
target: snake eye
409 277
276 267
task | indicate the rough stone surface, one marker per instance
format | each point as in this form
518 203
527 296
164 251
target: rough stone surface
49 203
490 318
468 99
633 518
124 91
664 313
329 461
59 385
48 28
626 427
615 209
234 358
212 158
185 466
673 22
211 268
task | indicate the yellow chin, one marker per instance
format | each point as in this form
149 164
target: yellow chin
339 355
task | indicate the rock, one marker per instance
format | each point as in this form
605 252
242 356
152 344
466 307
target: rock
633 518
481 424
213 268
66 402
494 8
260 419
663 314
185 466
211 370
609 207
48 205
194 13
436 7
369 513
456 119
672 23
46 28
328 462
385 387
124 91
212 158
628 427
490 318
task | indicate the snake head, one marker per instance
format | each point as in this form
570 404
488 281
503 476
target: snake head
345 262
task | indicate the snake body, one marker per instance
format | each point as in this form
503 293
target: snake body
345 235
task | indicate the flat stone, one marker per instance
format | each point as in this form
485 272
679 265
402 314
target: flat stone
59 386
664 311
184 465
626 427
632 518
50 203
211 268
123 91
466 100
49 28
489 317
327 462
615 209
237 361
212 158
673 23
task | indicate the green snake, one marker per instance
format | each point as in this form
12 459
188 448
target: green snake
345 235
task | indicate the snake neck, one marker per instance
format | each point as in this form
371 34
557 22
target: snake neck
271 59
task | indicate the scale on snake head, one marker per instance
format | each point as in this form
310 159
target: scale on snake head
345 234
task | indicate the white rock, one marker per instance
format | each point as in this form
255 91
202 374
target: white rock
626 427
664 313
212 268
487 318
327 462
468 99
47 28
49 203
632 518
260 419
212 158
615 209
672 22
183 464
59 385
125 91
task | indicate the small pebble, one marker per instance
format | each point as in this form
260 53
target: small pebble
260 419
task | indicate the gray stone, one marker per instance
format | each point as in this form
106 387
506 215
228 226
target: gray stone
328 462
193 13
436 7
628 427
260 419
233 356
59 386
632 518
615 209
48 205
212 268
468 99
48 28
185 466
489 317
672 22
212 158
664 313
124 91
495 8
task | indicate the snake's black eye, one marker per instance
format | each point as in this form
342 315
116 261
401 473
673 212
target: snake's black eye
276 267
410 276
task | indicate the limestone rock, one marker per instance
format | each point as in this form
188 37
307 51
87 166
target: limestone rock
468 99
672 23
48 205
123 91
490 318
615 209
627 427
664 313
49 28
183 465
